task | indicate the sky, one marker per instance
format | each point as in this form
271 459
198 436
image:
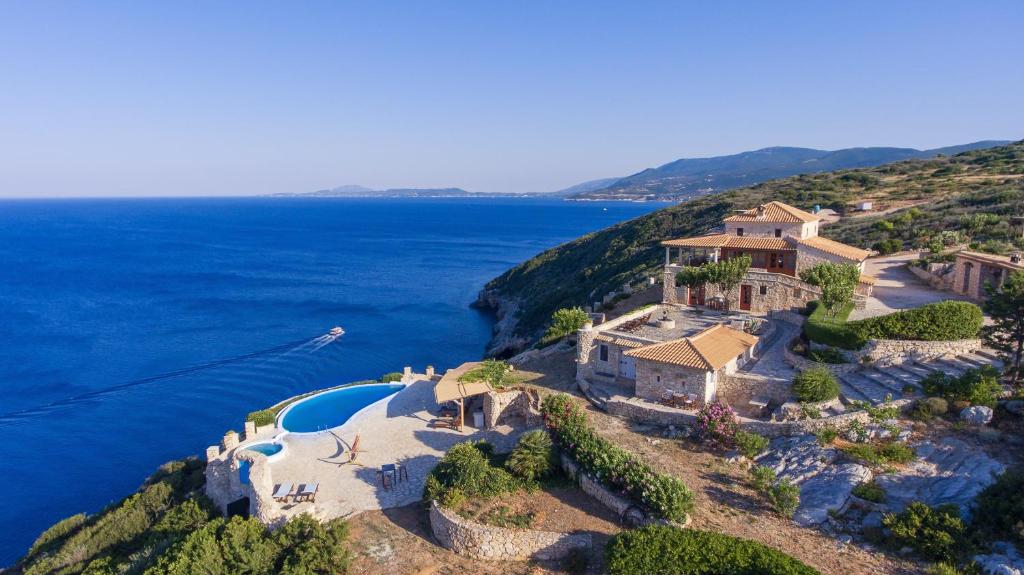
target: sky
228 98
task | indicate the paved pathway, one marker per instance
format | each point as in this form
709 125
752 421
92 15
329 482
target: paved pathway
771 363
897 288
392 432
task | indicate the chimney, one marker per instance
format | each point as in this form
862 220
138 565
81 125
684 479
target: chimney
760 211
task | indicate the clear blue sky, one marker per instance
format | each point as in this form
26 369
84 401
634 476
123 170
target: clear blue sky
217 98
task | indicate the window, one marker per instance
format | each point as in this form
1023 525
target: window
796 292
603 352
657 378
778 232
764 290
739 231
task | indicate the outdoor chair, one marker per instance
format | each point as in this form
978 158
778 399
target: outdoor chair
307 492
282 492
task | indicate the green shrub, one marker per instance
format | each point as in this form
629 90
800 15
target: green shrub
816 384
978 386
943 568
870 491
826 355
784 497
886 247
665 495
827 434
565 321
762 478
390 377
999 511
467 469
880 454
262 417
496 373
935 533
533 456
750 444
928 408
57 533
671 551
947 320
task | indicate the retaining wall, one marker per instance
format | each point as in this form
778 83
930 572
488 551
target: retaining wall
893 351
467 537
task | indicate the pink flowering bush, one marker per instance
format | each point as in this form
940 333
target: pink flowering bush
614 467
718 424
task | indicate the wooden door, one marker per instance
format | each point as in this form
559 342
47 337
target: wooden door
696 295
746 292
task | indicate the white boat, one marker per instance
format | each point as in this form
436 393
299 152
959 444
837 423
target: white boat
336 331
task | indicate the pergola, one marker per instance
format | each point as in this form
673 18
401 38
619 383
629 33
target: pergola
449 388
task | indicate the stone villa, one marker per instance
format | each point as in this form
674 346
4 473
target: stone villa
781 241
667 349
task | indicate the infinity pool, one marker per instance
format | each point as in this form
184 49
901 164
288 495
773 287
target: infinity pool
333 408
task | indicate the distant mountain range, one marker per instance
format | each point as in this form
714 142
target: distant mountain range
354 191
690 177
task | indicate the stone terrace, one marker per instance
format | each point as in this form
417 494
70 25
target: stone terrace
395 431
687 322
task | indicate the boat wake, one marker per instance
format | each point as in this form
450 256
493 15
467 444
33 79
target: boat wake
278 352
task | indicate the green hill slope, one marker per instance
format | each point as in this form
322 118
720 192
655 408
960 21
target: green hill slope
974 193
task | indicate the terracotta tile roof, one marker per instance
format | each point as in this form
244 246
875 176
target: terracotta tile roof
776 212
866 279
837 249
991 258
710 349
730 241
620 341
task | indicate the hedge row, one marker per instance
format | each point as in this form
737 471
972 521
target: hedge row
941 321
613 466
673 551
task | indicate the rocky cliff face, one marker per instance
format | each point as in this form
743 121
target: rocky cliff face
504 342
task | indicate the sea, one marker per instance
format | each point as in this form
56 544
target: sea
138 331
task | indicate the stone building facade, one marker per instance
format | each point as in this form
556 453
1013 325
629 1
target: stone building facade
781 241
972 271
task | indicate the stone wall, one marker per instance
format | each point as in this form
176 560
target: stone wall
799 230
935 281
654 379
884 352
628 512
802 363
502 406
500 544
739 388
657 414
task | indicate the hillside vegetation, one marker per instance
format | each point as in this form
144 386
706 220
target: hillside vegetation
968 197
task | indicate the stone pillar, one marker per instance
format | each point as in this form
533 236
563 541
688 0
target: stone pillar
668 288
212 453
230 440
407 375
430 372
584 344
250 429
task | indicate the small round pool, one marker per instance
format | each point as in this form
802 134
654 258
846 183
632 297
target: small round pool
333 408
268 448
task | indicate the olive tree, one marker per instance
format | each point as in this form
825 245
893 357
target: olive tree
727 274
837 283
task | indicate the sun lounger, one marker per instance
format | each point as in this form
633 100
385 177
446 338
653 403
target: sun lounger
282 492
443 422
307 492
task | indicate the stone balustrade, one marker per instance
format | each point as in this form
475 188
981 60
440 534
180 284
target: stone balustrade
468 537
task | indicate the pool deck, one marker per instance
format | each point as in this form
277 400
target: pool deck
395 430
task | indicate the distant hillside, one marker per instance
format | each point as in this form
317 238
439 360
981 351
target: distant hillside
973 194
585 187
353 191
687 178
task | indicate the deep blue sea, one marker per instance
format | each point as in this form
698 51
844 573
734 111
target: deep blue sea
134 332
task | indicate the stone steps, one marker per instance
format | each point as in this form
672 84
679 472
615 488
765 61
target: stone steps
873 392
849 393
918 369
896 374
894 386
